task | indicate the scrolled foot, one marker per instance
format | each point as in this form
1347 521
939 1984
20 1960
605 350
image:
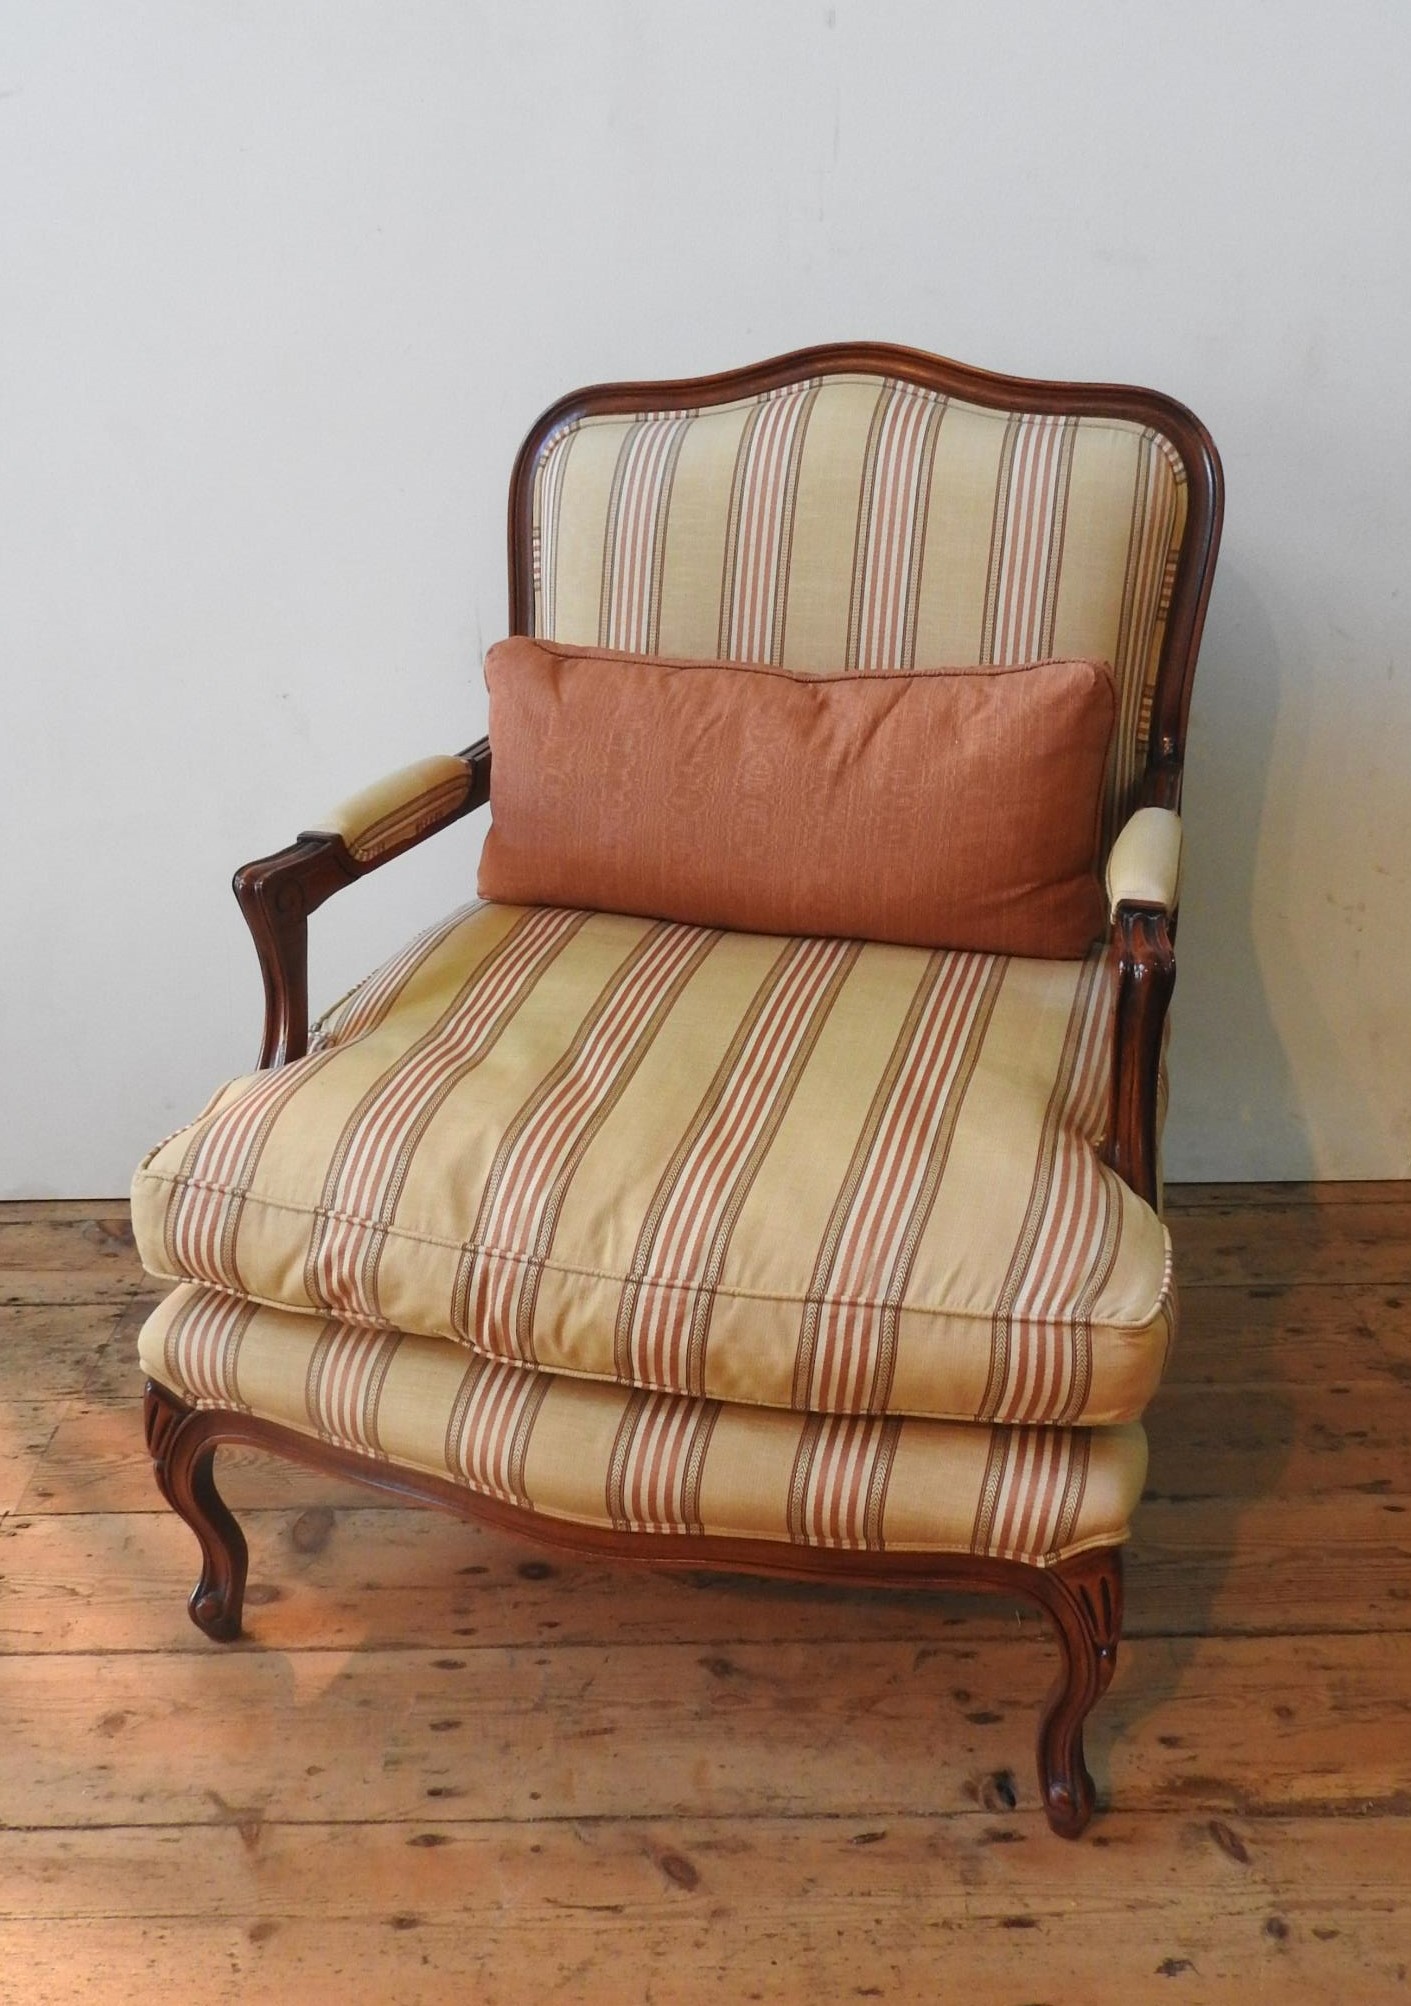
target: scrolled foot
182 1442
214 1611
1069 1796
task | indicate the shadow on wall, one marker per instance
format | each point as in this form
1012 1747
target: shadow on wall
1236 1109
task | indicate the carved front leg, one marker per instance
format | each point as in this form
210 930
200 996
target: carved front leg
1084 1597
182 1443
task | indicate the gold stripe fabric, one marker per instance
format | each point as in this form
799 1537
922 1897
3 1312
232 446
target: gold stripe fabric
856 522
640 1461
828 1176
398 808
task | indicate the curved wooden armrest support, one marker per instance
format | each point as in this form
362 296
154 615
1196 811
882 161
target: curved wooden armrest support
1161 783
276 894
1146 975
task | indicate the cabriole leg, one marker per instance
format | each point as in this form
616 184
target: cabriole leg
1084 1597
182 1443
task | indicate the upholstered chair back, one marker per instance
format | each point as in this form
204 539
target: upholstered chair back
852 520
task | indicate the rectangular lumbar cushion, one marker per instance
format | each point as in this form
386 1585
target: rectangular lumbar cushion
939 808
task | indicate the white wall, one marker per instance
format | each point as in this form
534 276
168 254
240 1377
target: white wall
284 282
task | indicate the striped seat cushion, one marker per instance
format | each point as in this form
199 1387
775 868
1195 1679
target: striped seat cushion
651 1462
811 1174
856 522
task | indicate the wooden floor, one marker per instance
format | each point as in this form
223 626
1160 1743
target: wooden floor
442 1766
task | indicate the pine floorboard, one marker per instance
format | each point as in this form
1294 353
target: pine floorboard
444 1765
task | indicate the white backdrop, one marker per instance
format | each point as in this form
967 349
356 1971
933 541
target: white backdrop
284 283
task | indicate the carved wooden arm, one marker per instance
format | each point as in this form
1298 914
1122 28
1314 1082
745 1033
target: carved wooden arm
278 893
1143 888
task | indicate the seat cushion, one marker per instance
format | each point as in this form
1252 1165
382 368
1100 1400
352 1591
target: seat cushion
811 1174
651 1462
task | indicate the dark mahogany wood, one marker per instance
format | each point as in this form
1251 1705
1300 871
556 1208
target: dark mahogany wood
1084 1597
1081 1595
1146 975
277 894
183 1456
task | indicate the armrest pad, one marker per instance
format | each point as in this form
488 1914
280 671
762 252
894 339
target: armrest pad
397 809
1144 867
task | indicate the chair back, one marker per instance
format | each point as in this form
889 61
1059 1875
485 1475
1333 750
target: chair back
856 509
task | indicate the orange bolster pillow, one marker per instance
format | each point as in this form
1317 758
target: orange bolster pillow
945 808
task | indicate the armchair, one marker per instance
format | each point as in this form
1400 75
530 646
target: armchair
864 1278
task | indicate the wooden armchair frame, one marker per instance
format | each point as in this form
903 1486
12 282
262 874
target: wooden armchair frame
277 894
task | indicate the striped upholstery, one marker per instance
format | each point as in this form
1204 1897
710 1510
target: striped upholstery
397 809
858 522
810 1174
651 1462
